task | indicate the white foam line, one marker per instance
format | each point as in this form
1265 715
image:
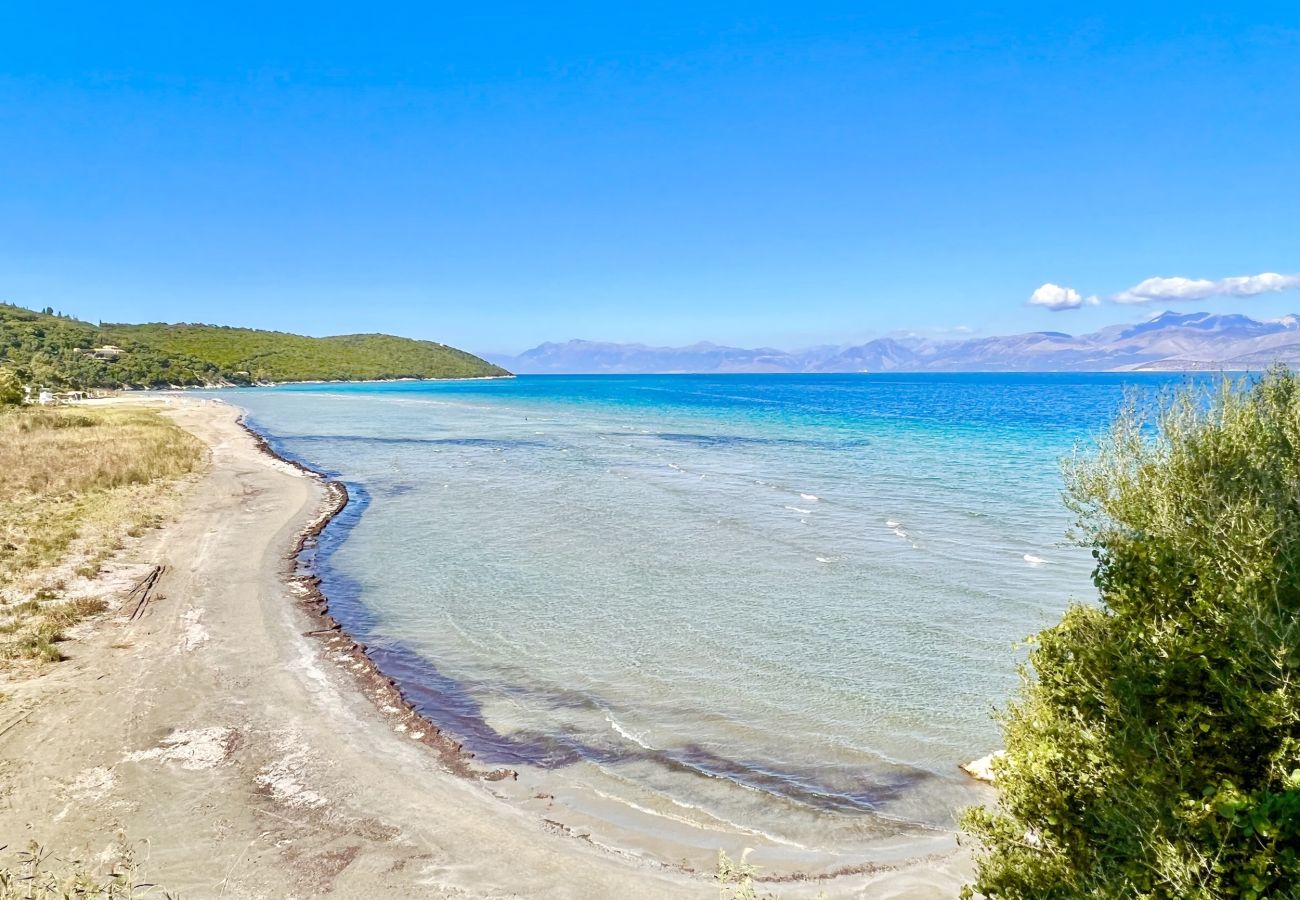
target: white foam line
683 820
629 735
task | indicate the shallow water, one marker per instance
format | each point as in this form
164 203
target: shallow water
773 608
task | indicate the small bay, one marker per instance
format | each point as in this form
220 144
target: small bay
697 611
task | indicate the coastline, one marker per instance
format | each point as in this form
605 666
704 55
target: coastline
251 762
389 695
902 857
237 757
382 689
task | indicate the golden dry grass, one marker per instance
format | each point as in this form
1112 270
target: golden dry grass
74 483
38 874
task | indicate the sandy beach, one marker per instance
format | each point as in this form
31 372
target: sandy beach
212 726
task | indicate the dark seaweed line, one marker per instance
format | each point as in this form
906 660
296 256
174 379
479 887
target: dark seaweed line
446 704
382 690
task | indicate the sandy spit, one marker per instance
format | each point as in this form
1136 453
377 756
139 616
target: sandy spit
243 752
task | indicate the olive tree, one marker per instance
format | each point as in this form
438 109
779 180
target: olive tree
1153 748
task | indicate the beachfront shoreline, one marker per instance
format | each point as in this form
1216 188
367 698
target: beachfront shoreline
249 759
242 754
885 859
387 694
383 690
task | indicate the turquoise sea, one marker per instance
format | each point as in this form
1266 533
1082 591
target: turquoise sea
701 611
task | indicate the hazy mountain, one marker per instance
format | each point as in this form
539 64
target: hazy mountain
886 354
1168 341
599 357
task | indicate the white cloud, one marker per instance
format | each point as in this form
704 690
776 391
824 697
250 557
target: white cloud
1167 289
1056 298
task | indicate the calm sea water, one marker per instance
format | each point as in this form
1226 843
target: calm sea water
700 610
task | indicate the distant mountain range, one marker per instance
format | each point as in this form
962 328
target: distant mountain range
1168 342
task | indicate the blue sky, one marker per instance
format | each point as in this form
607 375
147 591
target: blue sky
751 174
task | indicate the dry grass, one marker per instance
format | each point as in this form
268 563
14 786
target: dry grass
74 483
37 874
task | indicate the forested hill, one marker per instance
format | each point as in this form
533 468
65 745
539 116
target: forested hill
57 351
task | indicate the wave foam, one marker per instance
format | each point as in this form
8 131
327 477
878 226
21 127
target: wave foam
625 733
685 820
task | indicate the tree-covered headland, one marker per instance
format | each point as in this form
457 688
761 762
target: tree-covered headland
58 352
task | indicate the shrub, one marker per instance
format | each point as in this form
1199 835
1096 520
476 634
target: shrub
11 389
1153 750
735 877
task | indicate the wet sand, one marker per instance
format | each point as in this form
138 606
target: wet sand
257 752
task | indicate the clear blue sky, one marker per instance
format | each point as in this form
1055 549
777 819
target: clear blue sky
785 175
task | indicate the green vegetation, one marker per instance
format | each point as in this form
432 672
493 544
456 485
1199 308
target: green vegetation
11 388
73 484
59 352
1154 748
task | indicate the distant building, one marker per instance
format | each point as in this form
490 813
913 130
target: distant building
54 398
107 352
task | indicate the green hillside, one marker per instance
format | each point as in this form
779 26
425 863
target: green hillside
57 351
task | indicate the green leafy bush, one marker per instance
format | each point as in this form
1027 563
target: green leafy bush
1154 748
11 389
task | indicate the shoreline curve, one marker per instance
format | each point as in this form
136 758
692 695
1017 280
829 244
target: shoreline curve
385 693
379 688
